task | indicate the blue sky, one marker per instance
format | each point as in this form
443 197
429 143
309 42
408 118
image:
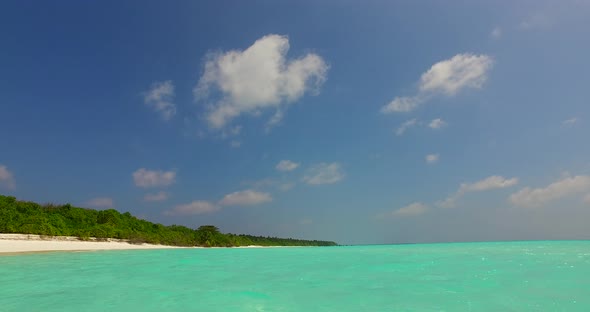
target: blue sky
372 122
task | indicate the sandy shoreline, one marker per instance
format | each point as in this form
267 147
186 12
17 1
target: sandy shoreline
27 243
31 243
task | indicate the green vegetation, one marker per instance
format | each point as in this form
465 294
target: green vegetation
66 220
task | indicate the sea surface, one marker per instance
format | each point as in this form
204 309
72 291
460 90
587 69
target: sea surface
506 276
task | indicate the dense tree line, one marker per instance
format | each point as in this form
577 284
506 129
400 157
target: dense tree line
66 220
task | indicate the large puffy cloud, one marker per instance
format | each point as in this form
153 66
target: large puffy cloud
448 77
7 178
324 173
193 208
245 198
489 183
160 97
153 178
529 197
258 78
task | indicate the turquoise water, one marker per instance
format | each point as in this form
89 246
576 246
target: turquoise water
515 276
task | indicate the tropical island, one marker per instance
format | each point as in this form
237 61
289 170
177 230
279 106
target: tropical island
49 220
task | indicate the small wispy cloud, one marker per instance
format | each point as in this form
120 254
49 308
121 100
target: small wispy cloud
489 183
159 196
160 97
245 198
193 208
570 122
405 126
537 21
100 202
437 123
324 173
448 77
496 33
411 210
153 178
432 158
286 165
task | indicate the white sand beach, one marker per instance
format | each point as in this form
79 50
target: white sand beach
19 243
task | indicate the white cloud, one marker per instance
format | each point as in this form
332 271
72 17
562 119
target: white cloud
324 173
245 198
413 209
100 202
402 104
496 33
286 165
405 126
489 183
569 122
7 178
437 123
194 208
153 178
528 197
462 71
258 78
235 144
432 158
160 97
159 196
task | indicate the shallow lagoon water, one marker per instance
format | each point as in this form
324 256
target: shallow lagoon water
504 276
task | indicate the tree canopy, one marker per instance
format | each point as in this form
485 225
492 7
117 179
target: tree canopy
65 220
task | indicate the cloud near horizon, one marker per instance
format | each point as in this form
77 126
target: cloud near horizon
245 198
240 198
258 78
411 210
489 183
193 208
569 186
7 180
448 77
153 178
